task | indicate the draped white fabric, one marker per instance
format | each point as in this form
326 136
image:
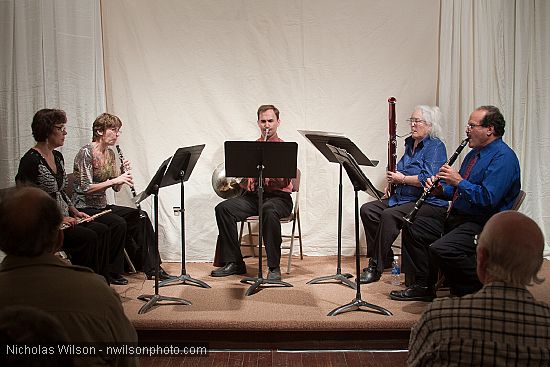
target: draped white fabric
194 72
51 58
182 73
498 52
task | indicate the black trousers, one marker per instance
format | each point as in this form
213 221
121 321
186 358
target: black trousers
88 245
383 223
447 245
276 205
139 239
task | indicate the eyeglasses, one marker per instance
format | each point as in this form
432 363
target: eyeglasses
470 126
60 128
115 130
415 121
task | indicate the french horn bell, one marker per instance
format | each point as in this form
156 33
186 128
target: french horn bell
225 187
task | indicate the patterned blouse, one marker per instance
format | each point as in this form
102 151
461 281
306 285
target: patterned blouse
34 170
89 171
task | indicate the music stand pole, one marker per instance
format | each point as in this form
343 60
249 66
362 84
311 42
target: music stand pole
357 302
184 277
360 183
259 281
154 298
343 278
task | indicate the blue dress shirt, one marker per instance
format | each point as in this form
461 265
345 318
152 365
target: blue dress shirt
429 155
493 183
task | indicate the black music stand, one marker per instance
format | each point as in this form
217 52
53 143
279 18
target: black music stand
260 159
178 171
320 140
360 182
153 189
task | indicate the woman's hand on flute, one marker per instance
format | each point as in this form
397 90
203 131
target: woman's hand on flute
69 221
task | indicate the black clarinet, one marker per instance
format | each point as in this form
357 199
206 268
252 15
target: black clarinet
132 188
409 218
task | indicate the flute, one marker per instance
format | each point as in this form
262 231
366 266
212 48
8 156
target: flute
83 220
409 218
132 188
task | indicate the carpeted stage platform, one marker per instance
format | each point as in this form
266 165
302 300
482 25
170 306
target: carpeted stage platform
277 318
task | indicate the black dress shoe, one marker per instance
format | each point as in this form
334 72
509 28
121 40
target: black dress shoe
370 274
163 275
116 279
414 293
229 269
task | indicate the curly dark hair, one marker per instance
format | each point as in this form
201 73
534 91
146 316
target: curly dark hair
43 122
493 117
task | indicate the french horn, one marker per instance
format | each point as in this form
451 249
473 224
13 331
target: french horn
225 187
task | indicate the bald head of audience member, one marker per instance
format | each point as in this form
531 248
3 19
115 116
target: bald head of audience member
30 222
510 249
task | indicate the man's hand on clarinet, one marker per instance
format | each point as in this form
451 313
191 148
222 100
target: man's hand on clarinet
450 175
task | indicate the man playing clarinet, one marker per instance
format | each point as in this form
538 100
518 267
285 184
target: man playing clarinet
488 182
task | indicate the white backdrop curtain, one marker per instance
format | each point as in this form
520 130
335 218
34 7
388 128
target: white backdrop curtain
181 73
51 58
498 52
194 72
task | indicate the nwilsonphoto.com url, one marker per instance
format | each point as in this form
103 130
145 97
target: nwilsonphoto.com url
82 349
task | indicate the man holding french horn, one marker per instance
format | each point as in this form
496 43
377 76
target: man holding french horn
488 182
277 203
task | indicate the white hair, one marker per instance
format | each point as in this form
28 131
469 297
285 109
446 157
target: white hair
434 117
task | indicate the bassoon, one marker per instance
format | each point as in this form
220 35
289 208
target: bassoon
392 142
409 218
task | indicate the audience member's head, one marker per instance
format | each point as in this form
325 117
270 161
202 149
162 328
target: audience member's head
510 249
29 222
24 326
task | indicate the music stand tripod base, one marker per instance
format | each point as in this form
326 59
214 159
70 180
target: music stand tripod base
184 277
355 305
152 299
258 282
339 277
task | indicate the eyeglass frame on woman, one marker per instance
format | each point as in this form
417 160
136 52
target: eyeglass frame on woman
412 121
60 128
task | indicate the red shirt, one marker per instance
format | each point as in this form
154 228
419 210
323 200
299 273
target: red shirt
270 184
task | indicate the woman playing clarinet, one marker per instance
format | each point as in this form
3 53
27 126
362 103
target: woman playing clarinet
96 170
88 244
424 154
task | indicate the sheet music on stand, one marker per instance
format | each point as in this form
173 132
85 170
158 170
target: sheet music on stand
359 180
320 139
156 180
